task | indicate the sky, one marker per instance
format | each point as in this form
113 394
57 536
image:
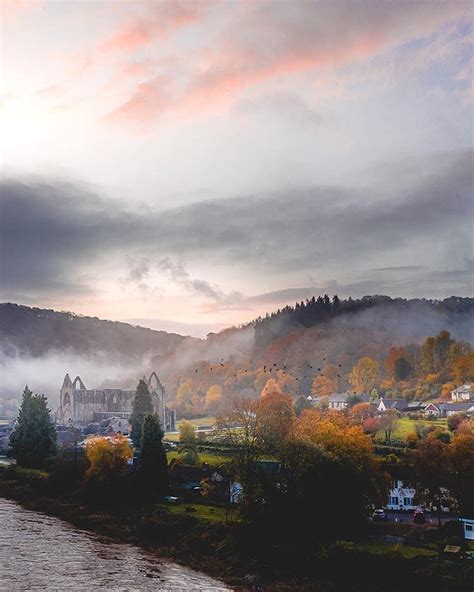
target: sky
192 165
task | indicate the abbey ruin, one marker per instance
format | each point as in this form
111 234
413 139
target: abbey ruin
81 406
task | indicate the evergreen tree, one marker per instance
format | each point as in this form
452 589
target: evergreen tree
33 440
402 369
153 466
142 405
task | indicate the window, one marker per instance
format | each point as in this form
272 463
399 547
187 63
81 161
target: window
394 501
407 501
468 527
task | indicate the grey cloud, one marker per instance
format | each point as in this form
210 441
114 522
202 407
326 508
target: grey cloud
180 276
50 233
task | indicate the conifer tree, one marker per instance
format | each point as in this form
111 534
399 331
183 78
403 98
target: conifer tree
142 405
153 466
33 440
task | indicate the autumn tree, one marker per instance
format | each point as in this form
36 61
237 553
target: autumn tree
213 397
326 383
184 399
153 466
107 456
361 411
365 374
271 386
33 440
142 405
463 368
276 415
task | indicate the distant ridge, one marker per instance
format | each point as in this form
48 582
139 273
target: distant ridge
34 332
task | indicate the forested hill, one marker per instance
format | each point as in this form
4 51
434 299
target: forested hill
34 332
383 310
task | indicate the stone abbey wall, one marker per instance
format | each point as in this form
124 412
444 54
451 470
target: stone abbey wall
79 405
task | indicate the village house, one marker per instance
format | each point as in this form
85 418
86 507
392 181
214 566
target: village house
338 401
448 409
462 393
401 496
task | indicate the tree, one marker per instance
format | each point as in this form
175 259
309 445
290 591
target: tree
213 397
300 404
142 405
463 368
153 466
387 423
184 397
33 440
108 457
276 415
402 369
365 374
430 465
188 449
461 471
427 356
271 386
327 382
361 411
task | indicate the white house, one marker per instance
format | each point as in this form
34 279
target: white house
462 393
400 496
468 528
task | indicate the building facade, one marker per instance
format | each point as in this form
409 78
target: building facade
81 406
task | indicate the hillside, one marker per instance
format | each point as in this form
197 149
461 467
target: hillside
319 340
35 332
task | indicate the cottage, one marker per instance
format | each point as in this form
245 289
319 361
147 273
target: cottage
401 496
338 401
432 410
448 409
395 404
462 393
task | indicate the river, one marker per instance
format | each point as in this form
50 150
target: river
39 552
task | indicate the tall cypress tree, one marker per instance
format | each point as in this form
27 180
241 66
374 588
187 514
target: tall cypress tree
142 405
153 465
33 440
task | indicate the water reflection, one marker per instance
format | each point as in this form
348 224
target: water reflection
38 552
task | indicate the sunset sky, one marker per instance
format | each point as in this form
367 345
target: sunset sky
191 165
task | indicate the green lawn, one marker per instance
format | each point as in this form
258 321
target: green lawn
202 512
211 458
381 548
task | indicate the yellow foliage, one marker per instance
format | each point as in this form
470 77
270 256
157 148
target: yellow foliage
107 455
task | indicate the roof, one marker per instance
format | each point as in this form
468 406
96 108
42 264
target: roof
457 406
394 403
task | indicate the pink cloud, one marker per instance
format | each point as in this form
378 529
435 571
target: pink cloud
267 41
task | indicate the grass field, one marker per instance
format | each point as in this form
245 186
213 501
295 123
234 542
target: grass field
406 426
380 548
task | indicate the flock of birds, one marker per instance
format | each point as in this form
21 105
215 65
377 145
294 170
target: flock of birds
270 368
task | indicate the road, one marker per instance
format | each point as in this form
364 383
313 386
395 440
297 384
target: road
407 517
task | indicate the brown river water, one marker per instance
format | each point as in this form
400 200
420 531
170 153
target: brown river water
39 552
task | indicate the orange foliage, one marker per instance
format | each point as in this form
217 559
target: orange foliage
334 434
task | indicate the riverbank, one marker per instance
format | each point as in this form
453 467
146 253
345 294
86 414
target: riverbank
235 553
